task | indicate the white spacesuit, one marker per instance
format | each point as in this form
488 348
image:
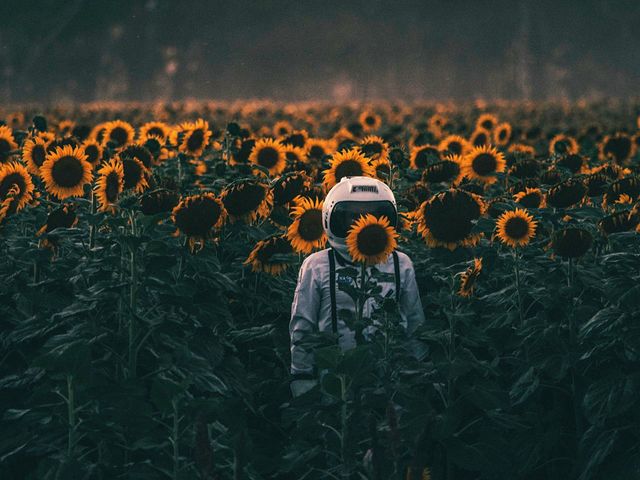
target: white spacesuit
318 297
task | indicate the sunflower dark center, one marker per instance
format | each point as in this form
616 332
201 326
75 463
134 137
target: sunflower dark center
67 171
449 216
310 228
618 147
488 124
157 131
5 148
316 152
566 194
480 139
112 187
132 172
502 134
198 216
455 147
38 155
7 182
240 201
295 139
119 136
441 172
516 228
371 149
286 191
561 146
348 168
195 140
92 153
370 120
484 164
427 155
531 200
372 240
268 157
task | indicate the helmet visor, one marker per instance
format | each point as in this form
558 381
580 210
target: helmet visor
345 213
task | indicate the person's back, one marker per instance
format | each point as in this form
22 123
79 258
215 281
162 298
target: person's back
320 293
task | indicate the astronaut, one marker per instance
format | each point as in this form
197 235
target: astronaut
318 297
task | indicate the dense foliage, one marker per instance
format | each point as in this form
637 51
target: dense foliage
144 318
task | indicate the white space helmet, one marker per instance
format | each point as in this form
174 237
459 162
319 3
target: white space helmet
350 198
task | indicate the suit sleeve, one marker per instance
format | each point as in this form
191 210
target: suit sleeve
410 304
304 318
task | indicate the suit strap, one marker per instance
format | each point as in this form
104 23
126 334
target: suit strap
396 270
332 290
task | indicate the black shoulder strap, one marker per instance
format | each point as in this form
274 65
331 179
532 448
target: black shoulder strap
396 270
332 290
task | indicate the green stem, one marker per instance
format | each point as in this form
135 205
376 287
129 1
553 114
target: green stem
92 228
516 263
133 291
343 427
175 432
71 414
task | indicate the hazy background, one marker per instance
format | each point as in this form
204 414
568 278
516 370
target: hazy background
84 50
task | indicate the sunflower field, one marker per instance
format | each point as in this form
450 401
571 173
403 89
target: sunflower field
150 252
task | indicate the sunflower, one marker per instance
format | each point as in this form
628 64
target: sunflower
629 186
192 138
531 198
521 148
447 219
423 155
571 242
562 145
469 277
97 132
159 130
436 123
65 172
118 132
619 148
296 159
374 148
7 143
566 194
282 128
526 168
34 152
197 216
289 186
454 144
487 121
480 137
516 228
370 121
483 163
371 240
247 200
64 216
415 195
65 128
502 134
382 169
15 182
261 257
297 138
135 174
140 152
109 185
573 162
93 150
346 164
306 233
449 170
240 154
269 154
622 221
158 201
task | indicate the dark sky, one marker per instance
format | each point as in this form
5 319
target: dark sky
84 50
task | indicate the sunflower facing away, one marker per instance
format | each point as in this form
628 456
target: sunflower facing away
306 233
261 257
531 198
197 216
483 163
34 153
371 240
16 187
269 154
469 277
109 185
448 170
64 216
571 242
65 172
447 219
289 186
347 164
516 228
247 200
7 143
